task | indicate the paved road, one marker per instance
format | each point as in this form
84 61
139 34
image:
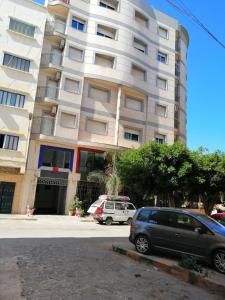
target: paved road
63 258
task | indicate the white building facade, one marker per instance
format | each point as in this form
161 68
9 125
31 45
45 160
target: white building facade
22 25
112 76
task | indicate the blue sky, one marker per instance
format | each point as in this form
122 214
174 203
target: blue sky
206 73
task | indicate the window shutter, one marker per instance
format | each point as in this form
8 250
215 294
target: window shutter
138 73
96 127
161 83
161 110
75 54
99 94
68 120
134 104
72 86
104 61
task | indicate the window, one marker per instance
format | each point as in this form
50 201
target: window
187 222
90 161
72 86
21 27
162 57
165 218
141 19
110 4
11 99
161 83
104 60
120 206
109 205
9 142
106 32
132 134
76 54
99 94
140 45
130 206
16 62
138 73
160 139
56 157
163 32
133 104
96 127
144 215
161 110
68 120
79 24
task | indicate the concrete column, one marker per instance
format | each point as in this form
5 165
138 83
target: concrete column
118 116
71 189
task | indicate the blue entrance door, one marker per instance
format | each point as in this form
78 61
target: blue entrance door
6 196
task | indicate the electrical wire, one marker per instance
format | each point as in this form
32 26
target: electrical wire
184 10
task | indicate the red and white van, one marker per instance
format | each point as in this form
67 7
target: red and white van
108 209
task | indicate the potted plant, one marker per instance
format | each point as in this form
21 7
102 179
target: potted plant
71 209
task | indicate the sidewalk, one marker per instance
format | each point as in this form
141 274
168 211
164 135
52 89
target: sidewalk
214 282
54 218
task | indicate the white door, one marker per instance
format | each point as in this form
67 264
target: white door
130 210
120 215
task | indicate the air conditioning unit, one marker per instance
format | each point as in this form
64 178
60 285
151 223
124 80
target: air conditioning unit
57 76
62 44
54 110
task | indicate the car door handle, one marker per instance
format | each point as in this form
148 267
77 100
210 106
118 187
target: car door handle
177 234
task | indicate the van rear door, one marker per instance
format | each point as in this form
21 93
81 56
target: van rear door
92 209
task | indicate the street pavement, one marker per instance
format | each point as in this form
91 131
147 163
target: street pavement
51 258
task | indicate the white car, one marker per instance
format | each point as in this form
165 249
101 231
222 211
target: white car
108 209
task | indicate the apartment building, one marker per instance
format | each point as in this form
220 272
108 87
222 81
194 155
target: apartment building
22 25
112 76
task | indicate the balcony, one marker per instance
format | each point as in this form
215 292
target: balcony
55 30
51 61
43 126
59 6
48 94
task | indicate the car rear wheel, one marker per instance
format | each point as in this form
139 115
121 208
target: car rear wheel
219 261
142 244
108 221
129 221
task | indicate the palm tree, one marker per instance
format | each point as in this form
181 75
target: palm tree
109 180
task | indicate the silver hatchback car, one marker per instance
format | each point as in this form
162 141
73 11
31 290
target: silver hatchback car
180 232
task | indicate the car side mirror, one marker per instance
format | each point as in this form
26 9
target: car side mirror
200 230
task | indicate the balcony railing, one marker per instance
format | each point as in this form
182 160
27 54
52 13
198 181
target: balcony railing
55 26
51 58
43 125
47 92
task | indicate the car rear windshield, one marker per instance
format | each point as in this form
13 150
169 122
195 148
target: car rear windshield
97 203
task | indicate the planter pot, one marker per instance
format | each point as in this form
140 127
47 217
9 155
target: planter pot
71 213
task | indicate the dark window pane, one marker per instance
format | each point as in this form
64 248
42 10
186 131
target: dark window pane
165 218
144 215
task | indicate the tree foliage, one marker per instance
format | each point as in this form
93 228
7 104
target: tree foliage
172 172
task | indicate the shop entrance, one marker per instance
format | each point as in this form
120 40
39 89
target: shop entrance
51 193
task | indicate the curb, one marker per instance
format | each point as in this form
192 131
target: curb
175 270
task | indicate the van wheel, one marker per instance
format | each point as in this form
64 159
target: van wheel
142 244
108 221
100 222
129 221
219 260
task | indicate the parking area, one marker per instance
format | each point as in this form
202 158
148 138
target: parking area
65 258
